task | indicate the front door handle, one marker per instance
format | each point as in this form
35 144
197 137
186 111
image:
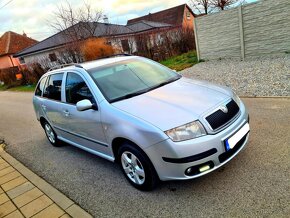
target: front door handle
43 107
66 113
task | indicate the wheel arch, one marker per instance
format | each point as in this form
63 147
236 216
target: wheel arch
117 142
42 120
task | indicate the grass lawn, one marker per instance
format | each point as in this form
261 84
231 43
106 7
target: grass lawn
182 61
27 88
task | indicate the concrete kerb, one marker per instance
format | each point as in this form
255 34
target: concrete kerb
275 97
56 196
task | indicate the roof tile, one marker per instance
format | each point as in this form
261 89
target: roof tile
11 42
173 16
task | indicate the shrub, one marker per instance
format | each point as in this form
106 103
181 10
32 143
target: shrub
8 76
96 48
164 45
32 74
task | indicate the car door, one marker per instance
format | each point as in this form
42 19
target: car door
52 97
38 101
82 127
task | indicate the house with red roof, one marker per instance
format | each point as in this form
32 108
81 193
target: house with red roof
180 16
11 43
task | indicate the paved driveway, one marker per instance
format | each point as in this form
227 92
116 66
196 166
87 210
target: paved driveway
255 183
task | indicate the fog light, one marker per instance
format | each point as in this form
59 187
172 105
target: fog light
189 170
204 168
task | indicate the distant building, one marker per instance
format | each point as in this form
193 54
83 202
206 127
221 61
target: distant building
123 38
11 43
180 16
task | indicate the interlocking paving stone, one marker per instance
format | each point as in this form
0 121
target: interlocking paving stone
4 165
13 193
13 183
15 214
32 196
6 208
36 206
49 212
27 197
3 198
65 216
8 177
6 171
2 161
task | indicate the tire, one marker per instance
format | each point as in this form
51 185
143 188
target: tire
137 168
51 135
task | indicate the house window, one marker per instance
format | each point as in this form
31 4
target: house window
21 60
188 15
52 57
125 45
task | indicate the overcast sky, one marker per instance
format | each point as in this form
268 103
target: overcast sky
32 16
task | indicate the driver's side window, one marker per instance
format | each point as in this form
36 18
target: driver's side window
76 89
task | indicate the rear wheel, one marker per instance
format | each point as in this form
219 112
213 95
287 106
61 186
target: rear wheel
137 168
51 135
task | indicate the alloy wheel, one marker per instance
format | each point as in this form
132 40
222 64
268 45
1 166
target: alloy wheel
133 168
49 132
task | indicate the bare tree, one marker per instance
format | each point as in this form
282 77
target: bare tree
224 4
201 6
208 6
74 26
76 23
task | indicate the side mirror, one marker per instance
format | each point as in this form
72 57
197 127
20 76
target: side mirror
86 105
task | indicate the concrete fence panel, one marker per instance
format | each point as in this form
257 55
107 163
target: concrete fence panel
257 29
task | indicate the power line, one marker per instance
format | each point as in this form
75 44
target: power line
6 4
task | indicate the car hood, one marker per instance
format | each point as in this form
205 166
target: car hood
175 104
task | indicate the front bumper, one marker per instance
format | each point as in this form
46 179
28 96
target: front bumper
171 159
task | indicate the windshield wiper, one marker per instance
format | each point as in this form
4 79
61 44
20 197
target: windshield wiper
166 82
130 95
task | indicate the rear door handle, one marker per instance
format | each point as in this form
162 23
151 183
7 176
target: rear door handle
66 113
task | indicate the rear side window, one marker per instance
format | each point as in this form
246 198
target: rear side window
53 87
76 89
39 89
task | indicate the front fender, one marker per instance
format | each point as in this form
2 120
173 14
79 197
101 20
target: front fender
117 123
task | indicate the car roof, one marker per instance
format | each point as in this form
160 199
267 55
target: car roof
102 62
91 64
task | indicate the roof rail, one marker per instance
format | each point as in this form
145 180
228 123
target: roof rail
64 65
116 55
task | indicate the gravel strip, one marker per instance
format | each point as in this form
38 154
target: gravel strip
260 77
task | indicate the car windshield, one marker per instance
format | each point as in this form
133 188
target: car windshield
126 79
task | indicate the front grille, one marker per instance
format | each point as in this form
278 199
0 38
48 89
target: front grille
219 118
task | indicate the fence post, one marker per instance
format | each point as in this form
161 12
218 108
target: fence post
196 39
242 41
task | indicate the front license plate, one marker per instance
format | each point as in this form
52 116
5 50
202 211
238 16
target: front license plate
234 139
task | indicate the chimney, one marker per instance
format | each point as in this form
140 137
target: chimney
106 19
24 34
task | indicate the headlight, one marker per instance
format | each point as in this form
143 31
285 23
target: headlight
186 132
236 98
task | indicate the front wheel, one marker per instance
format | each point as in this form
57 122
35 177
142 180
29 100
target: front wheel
137 168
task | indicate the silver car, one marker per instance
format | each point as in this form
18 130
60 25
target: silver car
156 124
